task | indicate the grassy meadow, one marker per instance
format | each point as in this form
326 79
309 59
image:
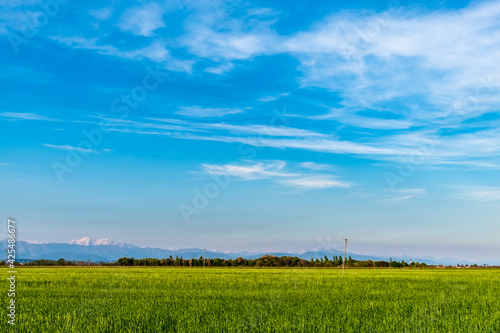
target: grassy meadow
254 300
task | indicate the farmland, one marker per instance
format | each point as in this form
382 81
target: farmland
255 300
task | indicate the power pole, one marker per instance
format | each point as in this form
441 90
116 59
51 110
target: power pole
204 258
345 250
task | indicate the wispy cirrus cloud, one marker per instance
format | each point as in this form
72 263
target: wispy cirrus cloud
266 99
249 171
25 116
376 66
211 34
155 51
255 129
400 79
350 118
103 13
199 112
221 69
476 150
315 182
479 193
143 20
315 166
276 171
374 59
78 149
406 194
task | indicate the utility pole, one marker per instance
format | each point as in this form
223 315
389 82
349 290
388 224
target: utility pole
345 250
204 258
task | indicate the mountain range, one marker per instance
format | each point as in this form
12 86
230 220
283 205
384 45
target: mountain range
108 250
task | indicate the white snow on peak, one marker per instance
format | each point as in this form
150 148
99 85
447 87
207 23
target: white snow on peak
35 242
82 241
86 241
105 241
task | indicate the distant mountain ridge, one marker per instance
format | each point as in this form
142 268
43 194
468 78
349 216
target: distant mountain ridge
108 250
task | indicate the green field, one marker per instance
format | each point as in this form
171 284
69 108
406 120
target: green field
254 300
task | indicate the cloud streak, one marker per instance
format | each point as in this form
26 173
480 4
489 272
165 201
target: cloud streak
199 112
144 20
480 193
78 149
276 171
25 116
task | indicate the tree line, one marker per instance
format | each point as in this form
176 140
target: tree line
265 261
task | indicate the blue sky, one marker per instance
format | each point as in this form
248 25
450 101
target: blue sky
245 125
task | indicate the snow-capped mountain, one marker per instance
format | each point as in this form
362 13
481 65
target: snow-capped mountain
86 241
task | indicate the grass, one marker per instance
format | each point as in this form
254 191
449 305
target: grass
254 300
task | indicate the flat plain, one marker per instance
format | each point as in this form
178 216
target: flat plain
254 300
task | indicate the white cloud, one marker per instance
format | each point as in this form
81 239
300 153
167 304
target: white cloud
272 98
258 130
230 46
406 194
350 118
199 112
399 199
142 21
425 148
376 58
258 170
315 166
327 145
102 14
488 194
260 136
315 182
403 57
413 191
275 170
16 15
211 32
221 69
132 126
68 147
479 193
24 116
156 51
